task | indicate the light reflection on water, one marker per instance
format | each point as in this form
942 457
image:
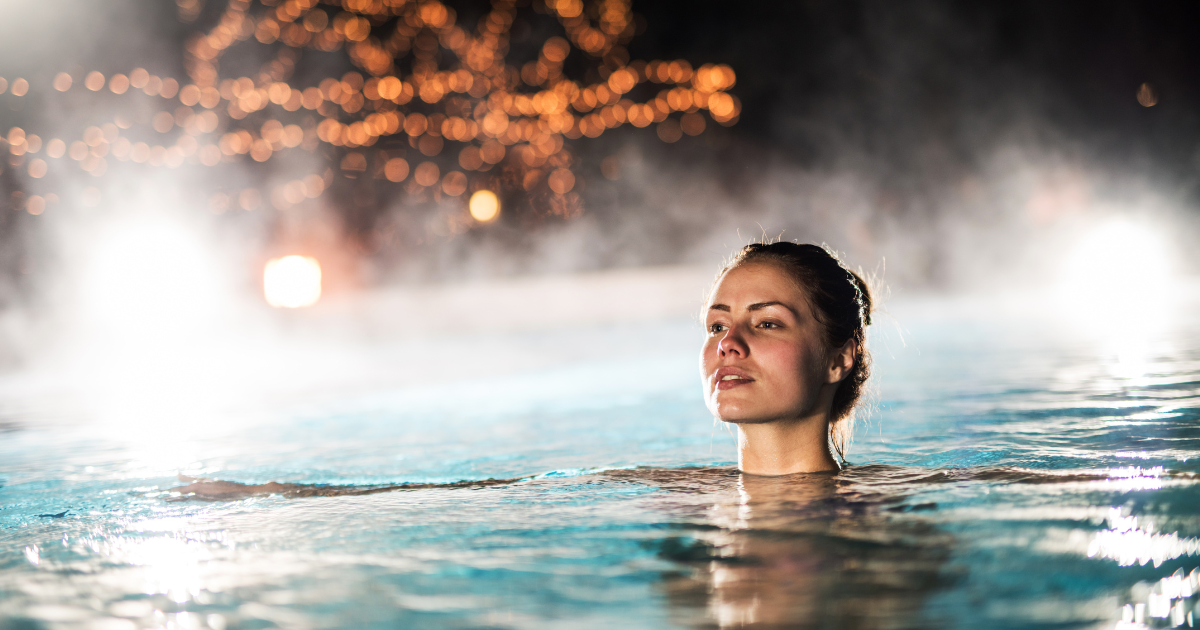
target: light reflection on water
1014 474
1128 543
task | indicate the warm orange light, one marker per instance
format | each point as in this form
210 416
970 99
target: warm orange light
561 181
94 81
692 124
119 83
454 183
396 170
426 174
484 205
1146 95
480 103
292 281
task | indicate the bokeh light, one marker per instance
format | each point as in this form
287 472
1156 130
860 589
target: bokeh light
484 206
1147 96
292 281
473 117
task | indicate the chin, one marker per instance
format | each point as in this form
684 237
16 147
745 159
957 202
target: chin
750 410
735 413
746 420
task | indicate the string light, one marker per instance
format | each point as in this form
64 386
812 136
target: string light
477 114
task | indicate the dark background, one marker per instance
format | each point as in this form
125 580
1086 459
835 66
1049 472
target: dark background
888 77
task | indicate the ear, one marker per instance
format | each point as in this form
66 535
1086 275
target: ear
842 362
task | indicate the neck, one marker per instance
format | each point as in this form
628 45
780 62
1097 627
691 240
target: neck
784 447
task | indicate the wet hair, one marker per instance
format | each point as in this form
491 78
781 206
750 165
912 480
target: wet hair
841 302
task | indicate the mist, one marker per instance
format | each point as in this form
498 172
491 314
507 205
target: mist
940 149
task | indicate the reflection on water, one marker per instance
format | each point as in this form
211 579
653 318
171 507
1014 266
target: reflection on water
804 551
1014 475
1129 544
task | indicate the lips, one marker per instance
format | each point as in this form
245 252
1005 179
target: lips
730 377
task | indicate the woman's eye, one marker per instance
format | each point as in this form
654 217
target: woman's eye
768 325
716 328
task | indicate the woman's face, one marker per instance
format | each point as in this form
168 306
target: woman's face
763 358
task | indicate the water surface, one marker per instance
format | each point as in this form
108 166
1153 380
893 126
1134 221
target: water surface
1014 472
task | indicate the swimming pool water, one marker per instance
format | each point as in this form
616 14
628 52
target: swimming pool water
1011 474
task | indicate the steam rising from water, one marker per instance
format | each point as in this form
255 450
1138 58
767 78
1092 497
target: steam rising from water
1006 216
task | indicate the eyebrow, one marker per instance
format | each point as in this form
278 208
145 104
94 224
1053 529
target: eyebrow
761 305
753 307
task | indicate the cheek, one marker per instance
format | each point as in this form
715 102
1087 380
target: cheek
792 365
708 357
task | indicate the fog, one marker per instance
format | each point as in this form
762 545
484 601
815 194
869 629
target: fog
940 150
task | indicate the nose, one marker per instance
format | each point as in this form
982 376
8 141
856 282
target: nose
732 344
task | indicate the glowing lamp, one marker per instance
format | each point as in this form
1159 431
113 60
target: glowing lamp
292 281
484 206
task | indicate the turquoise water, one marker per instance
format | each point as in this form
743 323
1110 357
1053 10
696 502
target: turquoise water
1012 473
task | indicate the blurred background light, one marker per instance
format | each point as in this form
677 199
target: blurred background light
485 206
292 281
1117 275
149 277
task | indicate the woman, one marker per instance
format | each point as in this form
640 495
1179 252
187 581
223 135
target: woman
785 358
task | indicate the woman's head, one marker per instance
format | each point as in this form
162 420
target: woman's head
786 337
